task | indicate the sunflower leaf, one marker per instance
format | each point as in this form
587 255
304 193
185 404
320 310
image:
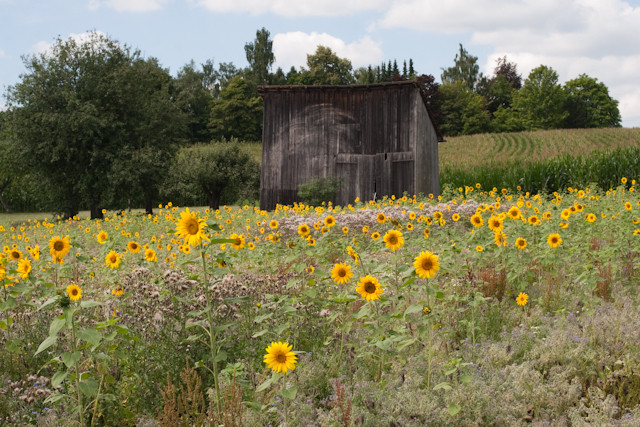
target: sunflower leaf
88 304
454 408
48 302
442 385
51 340
58 378
259 333
415 308
290 393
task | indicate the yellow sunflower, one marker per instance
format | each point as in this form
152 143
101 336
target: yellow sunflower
150 255
521 243
590 217
273 224
102 237
15 255
522 299
112 260
426 265
554 240
375 236
239 241
74 292
304 230
24 268
534 220
380 217
513 212
191 228
341 273
329 221
393 240
280 358
495 224
133 247
369 288
59 247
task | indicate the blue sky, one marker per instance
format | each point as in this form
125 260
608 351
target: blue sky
596 37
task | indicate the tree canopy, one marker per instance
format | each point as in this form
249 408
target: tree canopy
238 112
260 56
326 68
589 104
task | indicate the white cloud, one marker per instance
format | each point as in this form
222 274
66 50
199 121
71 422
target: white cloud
128 5
293 8
595 37
291 49
2 54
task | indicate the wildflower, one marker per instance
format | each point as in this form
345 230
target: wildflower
426 310
59 247
495 224
191 228
280 358
15 255
426 265
534 220
590 217
369 288
455 217
375 236
479 248
628 206
24 268
380 217
74 292
554 240
238 241
329 221
345 229
112 259
476 220
393 240
273 224
341 273
522 299
303 230
310 269
133 247
521 243
150 255
513 212
102 237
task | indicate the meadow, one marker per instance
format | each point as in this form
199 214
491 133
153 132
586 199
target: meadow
481 306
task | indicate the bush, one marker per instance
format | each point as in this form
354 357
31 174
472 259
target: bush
319 190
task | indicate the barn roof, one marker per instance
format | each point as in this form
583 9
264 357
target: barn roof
308 88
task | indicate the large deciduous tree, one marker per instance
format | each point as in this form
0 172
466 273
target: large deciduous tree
194 94
463 111
465 69
260 56
238 112
327 68
540 104
589 104
83 107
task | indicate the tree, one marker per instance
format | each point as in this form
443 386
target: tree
589 104
431 90
193 95
79 107
260 56
540 104
326 68
463 111
219 171
238 112
465 69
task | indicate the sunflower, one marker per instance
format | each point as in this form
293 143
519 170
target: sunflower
426 265
15 255
521 243
513 212
341 273
35 252
133 247
393 240
495 224
59 247
565 214
590 217
74 292
345 229
426 310
24 268
304 230
628 206
311 241
102 237
239 241
499 238
554 240
522 299
280 358
329 221
251 246
365 229
112 259
476 220
479 248
375 236
455 217
191 228
150 255
534 220
369 288
273 224
381 218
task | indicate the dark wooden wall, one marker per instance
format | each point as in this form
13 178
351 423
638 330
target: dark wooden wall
378 139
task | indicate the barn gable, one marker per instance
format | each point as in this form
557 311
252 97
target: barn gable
377 139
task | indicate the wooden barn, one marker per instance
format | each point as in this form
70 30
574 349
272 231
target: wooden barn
377 139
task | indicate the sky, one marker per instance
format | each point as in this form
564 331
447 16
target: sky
600 38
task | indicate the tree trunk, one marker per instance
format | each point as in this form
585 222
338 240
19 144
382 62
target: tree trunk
4 186
213 196
96 212
148 206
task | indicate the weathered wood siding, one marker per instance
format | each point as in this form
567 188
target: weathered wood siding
377 139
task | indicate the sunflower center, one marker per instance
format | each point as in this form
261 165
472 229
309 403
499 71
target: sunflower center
58 245
393 240
427 264
342 272
192 227
281 358
238 241
74 292
370 288
15 254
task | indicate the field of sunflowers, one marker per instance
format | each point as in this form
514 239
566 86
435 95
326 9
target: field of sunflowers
482 306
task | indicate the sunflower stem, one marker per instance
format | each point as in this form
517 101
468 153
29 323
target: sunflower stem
77 379
212 337
284 398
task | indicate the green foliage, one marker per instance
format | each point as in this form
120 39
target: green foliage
193 95
326 68
238 112
260 56
80 108
213 173
541 102
463 111
319 190
589 104
465 70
